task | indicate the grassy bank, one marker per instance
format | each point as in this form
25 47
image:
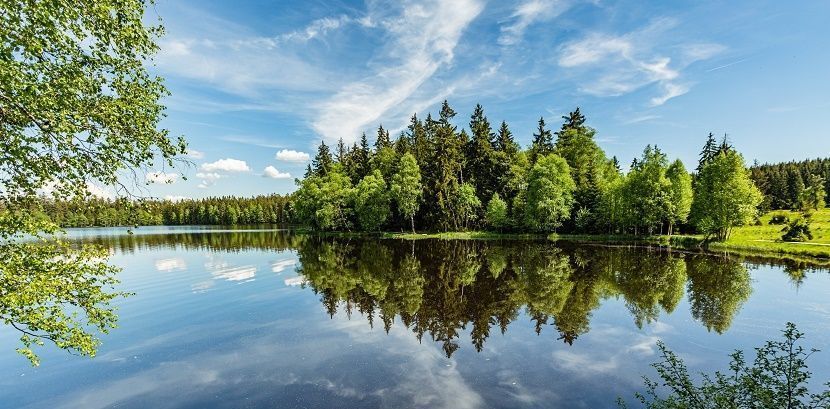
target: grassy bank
463 235
763 240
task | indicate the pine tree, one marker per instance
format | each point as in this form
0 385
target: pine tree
542 142
382 140
710 149
447 160
323 161
361 157
418 136
481 156
505 142
341 151
574 120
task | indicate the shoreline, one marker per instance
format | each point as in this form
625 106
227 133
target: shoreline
804 252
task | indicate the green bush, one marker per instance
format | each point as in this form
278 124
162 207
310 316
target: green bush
778 378
797 230
779 218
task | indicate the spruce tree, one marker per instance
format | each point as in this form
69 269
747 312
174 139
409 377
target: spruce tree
481 156
542 142
710 148
323 161
574 120
505 142
382 140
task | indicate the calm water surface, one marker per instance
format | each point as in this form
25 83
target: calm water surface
270 319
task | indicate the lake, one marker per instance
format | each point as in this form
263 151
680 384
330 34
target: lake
268 318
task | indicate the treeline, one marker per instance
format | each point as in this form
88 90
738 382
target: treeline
785 185
436 177
226 210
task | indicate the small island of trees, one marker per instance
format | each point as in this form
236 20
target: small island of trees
434 177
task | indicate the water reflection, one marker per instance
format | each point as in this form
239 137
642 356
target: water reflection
439 288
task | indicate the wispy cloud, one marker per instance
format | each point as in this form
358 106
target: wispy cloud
618 64
527 13
422 39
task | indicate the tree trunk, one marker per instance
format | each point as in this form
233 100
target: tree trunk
412 220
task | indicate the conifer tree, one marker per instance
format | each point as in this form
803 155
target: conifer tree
574 120
340 155
361 157
542 142
505 142
322 161
448 169
710 148
481 156
382 140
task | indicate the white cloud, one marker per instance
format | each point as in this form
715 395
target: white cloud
161 177
194 154
98 191
422 38
273 173
322 26
287 155
670 91
618 64
527 13
173 198
207 179
226 165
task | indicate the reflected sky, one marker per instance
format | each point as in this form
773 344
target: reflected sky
270 319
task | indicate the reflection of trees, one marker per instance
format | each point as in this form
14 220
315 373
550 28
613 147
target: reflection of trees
718 286
238 240
443 288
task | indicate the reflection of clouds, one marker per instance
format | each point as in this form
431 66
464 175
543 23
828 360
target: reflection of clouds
623 348
222 270
510 381
281 265
295 281
202 286
429 381
171 264
243 273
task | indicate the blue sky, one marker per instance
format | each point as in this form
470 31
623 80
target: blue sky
256 85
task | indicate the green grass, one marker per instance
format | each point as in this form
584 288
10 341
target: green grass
763 240
766 238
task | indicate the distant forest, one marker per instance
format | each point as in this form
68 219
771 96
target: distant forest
435 177
783 184
227 210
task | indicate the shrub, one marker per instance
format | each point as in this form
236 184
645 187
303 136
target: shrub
797 230
778 378
779 218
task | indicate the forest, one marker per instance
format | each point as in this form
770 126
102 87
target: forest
435 177
228 210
